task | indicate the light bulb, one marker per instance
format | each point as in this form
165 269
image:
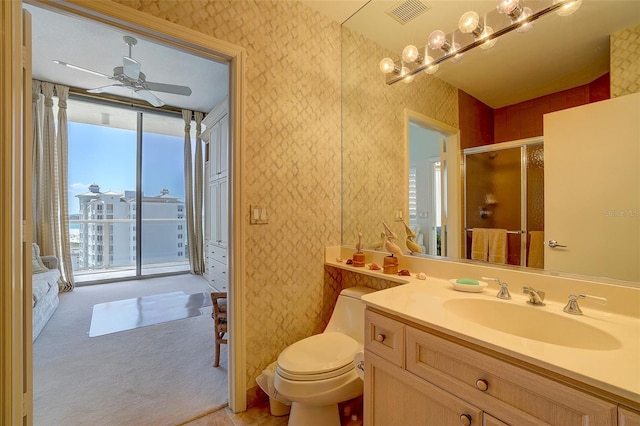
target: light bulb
468 22
410 53
489 43
507 6
569 7
526 12
454 48
430 69
437 39
387 65
405 74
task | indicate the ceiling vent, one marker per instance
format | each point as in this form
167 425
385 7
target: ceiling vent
406 10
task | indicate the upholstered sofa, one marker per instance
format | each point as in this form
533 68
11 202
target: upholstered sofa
45 288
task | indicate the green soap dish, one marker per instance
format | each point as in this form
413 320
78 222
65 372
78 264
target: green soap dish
467 281
468 284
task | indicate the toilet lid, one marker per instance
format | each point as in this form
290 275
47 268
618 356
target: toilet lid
318 354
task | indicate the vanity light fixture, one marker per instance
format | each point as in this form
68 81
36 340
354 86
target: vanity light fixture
472 32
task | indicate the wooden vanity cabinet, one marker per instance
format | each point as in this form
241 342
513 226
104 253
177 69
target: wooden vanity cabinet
439 377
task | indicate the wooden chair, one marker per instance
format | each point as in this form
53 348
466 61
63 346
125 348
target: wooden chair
219 315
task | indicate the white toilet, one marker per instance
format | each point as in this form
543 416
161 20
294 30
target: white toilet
318 372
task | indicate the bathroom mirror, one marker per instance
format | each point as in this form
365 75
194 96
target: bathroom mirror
518 68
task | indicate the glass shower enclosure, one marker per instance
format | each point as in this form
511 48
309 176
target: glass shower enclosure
504 189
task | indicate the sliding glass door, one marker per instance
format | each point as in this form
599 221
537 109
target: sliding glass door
126 191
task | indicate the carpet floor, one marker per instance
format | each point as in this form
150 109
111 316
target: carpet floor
155 375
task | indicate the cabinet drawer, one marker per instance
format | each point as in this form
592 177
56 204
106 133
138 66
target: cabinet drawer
218 253
511 393
384 337
218 268
220 284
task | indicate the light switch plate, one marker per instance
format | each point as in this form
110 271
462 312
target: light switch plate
258 215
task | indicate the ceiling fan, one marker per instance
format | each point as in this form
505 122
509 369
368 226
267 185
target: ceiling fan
129 76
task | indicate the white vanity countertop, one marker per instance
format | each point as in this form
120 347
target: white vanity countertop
616 371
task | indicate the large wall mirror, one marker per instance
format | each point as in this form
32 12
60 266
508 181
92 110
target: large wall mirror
559 59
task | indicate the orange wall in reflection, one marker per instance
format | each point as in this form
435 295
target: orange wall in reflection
482 125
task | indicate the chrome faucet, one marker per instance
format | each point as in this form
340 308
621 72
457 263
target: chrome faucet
504 290
536 297
572 306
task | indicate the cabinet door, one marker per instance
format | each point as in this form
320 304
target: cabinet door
223 150
223 212
207 204
392 396
214 151
214 214
626 417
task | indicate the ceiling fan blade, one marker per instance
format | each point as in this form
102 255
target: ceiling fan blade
104 88
150 97
76 67
131 68
168 88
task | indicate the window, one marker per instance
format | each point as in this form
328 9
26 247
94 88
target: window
111 157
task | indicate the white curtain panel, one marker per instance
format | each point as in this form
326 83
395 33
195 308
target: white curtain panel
198 195
51 218
37 113
46 208
61 193
188 194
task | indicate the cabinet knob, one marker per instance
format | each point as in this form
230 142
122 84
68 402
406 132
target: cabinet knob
482 384
380 337
465 419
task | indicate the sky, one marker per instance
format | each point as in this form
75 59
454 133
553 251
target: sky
107 157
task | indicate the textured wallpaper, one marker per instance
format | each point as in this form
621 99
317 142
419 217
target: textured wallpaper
374 150
292 163
625 62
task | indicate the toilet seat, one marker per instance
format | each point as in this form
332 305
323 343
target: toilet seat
318 357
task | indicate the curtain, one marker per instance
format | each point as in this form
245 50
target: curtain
188 195
198 196
37 106
61 192
51 218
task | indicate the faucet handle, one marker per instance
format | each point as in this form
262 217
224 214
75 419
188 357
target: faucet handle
536 297
503 293
572 306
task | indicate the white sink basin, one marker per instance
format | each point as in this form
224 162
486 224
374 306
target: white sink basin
532 322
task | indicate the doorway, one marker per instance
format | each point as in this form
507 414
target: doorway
433 180
179 37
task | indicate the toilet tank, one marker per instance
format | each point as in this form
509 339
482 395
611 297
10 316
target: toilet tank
348 314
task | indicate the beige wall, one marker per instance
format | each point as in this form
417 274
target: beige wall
373 145
625 61
292 163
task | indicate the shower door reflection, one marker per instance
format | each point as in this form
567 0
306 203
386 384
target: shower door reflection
504 189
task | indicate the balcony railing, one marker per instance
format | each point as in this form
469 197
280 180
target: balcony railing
106 248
